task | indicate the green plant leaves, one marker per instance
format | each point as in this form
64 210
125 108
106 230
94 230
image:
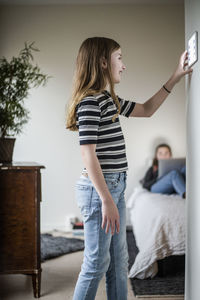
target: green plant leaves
17 77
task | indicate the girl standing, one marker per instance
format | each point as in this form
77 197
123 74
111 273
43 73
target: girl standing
94 112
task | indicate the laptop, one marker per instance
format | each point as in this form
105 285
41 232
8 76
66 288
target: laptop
167 165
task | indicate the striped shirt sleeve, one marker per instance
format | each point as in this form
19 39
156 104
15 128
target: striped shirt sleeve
127 107
88 115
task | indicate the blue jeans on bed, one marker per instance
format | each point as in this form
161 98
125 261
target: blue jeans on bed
104 253
172 182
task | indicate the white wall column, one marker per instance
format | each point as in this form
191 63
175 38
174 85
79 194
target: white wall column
192 284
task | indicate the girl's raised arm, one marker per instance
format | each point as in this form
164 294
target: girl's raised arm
148 108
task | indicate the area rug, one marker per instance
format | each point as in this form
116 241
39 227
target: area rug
54 246
168 281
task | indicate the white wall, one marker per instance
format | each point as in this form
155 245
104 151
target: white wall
152 38
192 287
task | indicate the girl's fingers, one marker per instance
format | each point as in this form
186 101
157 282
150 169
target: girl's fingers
185 54
188 71
103 222
112 227
183 57
117 226
107 226
182 68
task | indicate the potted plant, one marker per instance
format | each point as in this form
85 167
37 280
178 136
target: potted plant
16 79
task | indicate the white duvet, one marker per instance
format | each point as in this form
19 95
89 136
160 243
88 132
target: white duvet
159 228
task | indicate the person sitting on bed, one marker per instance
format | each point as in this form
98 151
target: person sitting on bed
172 182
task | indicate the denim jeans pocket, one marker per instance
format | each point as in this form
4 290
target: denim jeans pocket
87 199
112 182
84 198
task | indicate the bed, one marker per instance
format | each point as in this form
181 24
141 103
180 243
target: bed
158 223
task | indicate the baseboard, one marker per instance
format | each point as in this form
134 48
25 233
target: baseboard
177 297
62 227
55 226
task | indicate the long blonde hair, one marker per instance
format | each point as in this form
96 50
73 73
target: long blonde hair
90 76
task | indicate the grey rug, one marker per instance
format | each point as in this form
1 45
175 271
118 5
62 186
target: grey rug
169 279
52 246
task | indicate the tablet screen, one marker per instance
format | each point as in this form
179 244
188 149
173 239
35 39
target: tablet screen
193 49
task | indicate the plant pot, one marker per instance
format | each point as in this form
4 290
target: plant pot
6 149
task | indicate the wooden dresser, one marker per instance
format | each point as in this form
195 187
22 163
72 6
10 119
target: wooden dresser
20 196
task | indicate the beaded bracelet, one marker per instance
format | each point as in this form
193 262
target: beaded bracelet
166 89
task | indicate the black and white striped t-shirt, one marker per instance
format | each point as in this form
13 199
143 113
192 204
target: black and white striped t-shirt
94 121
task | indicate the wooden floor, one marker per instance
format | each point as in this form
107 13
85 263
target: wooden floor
58 280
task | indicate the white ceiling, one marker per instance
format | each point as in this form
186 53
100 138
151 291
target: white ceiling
54 2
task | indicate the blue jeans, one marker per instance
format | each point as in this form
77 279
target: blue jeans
104 253
172 182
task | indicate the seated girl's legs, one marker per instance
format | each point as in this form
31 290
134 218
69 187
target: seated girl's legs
97 243
116 276
170 183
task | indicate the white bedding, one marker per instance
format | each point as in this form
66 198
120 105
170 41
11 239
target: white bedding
158 223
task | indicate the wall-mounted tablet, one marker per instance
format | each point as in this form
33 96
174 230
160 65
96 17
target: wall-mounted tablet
193 49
